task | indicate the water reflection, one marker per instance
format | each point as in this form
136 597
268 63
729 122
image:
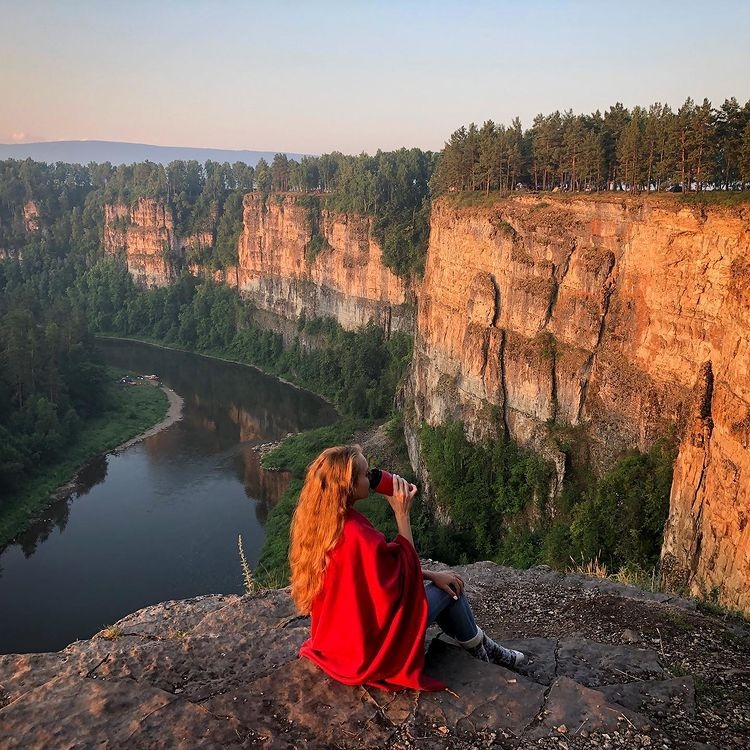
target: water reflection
265 486
160 520
56 514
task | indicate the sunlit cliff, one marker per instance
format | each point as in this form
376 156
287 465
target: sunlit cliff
613 321
629 319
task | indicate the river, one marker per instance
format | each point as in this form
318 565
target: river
159 520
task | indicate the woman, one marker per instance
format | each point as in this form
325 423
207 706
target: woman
366 596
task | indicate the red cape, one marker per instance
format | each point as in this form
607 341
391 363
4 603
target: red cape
369 620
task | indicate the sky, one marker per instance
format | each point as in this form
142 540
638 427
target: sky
316 76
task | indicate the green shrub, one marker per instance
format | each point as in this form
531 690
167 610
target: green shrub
621 517
297 452
273 563
495 494
487 489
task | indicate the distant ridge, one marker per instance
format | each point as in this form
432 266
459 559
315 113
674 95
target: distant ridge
116 152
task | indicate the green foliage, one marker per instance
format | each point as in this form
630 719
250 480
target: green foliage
393 188
488 489
638 150
272 570
50 378
315 244
394 429
317 241
621 518
494 493
358 370
228 232
296 452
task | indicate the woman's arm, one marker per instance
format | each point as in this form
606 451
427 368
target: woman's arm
447 580
400 501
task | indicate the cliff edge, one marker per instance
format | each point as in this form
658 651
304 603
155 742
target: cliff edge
610 666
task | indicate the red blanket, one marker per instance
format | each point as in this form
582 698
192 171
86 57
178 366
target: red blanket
369 620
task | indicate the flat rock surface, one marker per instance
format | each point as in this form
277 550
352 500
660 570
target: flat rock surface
608 667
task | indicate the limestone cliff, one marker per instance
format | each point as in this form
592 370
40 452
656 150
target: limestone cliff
345 280
144 235
612 320
625 319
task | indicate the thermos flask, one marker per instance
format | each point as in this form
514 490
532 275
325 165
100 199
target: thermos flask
380 481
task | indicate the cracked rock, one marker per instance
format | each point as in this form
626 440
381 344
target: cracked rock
223 672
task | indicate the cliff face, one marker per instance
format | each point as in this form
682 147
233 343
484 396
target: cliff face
31 216
611 322
623 319
347 280
144 235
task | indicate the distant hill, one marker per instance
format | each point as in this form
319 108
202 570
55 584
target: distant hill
83 152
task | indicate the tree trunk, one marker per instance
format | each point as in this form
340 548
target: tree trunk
683 160
573 174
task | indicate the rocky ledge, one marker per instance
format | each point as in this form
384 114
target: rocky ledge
611 666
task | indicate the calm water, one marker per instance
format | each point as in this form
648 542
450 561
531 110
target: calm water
160 520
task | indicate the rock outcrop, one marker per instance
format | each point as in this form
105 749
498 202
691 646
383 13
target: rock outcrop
144 236
346 279
31 221
607 665
625 319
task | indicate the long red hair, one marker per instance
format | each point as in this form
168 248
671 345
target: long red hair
319 519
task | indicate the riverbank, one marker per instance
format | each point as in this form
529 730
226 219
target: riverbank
218 356
134 413
174 414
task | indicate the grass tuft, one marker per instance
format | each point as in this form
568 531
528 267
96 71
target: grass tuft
112 632
592 568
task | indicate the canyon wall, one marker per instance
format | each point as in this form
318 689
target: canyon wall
346 279
605 322
143 234
611 322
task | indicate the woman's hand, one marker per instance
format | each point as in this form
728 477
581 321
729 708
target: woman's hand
400 502
450 582
403 494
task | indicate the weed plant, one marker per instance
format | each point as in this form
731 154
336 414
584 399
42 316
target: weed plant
247 576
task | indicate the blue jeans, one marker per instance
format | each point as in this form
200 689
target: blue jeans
454 616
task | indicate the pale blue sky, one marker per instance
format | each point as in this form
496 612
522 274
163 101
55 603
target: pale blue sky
352 76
